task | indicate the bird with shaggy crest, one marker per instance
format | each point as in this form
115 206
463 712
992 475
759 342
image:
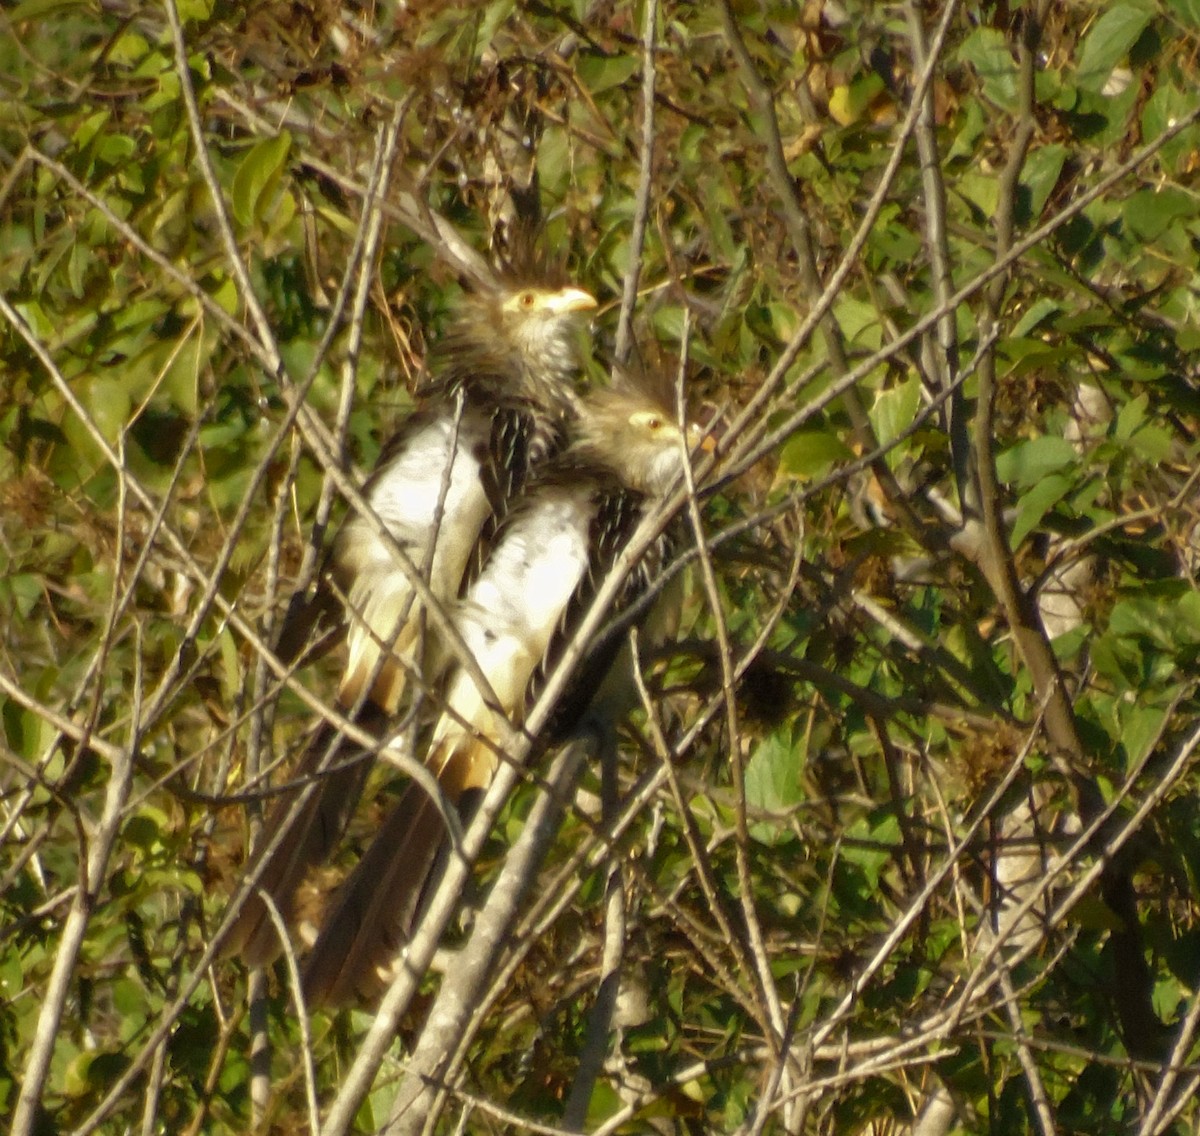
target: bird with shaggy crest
559 541
500 401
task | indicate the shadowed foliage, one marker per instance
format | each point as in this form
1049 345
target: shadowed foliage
906 826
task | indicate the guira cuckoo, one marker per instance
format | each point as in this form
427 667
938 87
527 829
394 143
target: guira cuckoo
499 403
554 549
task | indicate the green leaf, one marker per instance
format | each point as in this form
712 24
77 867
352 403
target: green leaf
810 453
1151 211
225 294
870 846
1188 11
495 15
859 321
1028 462
773 774
1141 727
1171 998
1152 443
24 591
600 73
87 130
1034 505
972 129
1040 310
257 175
982 190
1041 174
129 50
1164 108
848 103
1167 614
109 401
988 51
1130 417
895 409
195 10
1051 88
1109 41
33 9
181 382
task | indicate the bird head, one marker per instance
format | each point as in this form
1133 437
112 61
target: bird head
541 324
632 427
521 338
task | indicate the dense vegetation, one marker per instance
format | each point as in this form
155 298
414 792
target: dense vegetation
909 839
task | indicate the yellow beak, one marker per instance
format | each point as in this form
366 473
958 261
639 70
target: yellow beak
571 300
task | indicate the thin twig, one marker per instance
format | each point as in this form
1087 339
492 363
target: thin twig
800 233
54 998
641 208
233 253
944 362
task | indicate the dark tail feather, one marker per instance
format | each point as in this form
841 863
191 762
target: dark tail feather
379 905
312 625
309 840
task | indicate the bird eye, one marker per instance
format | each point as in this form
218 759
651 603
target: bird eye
527 300
654 423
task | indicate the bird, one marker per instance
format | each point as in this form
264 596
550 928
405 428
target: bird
559 541
502 395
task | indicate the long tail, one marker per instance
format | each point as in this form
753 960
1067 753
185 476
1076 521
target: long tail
309 838
381 902
377 907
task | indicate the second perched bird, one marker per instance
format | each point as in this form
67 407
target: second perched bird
500 401
557 545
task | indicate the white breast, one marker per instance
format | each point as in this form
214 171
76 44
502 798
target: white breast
514 608
406 495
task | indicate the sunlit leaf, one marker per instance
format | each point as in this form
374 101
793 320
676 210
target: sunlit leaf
895 409
1109 39
1168 616
773 775
1028 462
810 453
869 845
1186 10
257 175
1036 502
1141 730
1041 174
599 72
987 50
33 9
1041 310
1150 211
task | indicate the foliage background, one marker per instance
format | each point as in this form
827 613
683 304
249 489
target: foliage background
911 837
